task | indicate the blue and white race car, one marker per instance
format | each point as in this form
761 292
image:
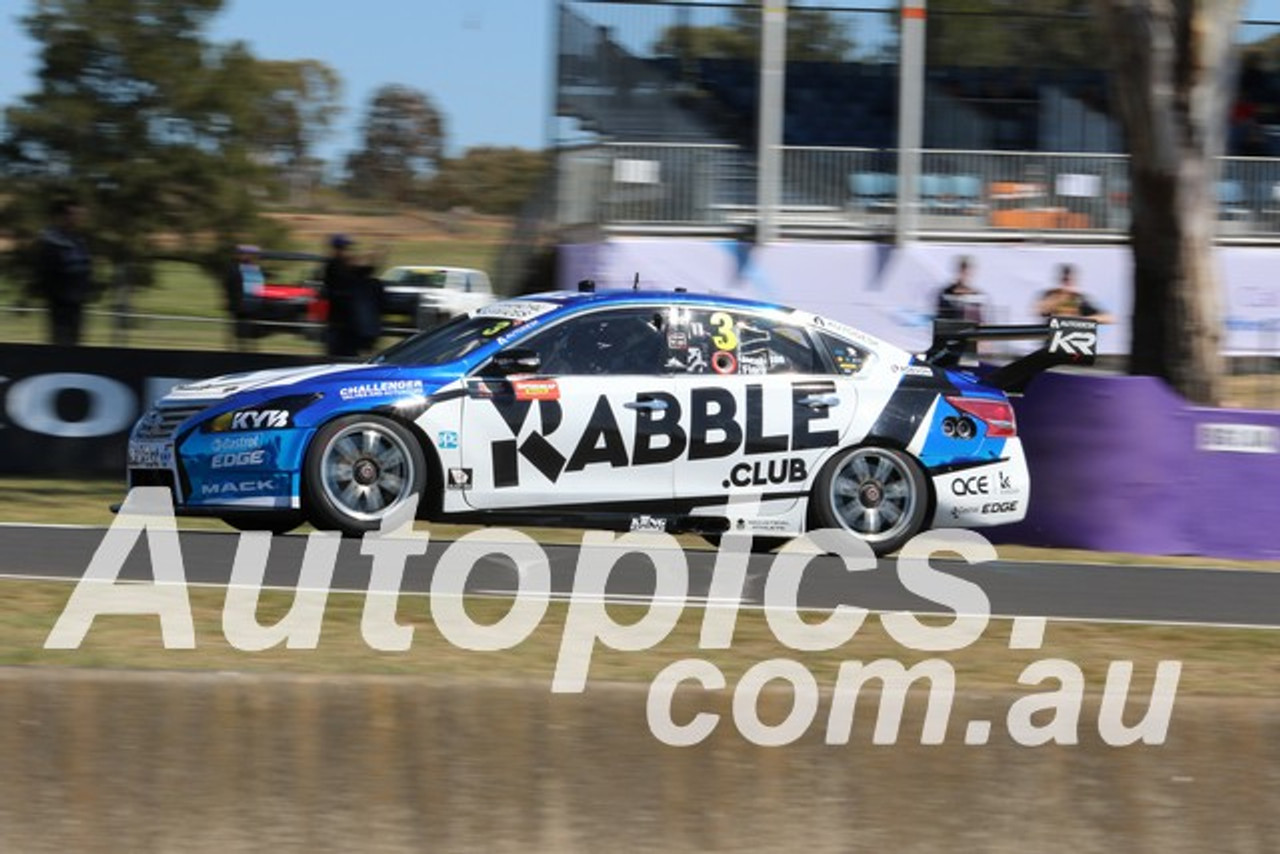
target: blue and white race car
625 410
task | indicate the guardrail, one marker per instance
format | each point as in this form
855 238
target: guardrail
26 324
1062 196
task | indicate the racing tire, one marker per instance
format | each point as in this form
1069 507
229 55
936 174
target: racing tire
878 494
360 468
281 522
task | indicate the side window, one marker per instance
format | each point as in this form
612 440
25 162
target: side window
625 341
736 342
849 359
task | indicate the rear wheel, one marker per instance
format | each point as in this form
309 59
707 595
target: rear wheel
880 495
359 470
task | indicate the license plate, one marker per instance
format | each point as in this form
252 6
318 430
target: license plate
150 455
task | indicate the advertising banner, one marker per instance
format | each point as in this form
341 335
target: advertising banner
892 292
69 410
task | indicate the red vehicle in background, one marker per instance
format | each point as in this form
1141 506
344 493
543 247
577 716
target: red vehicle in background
291 294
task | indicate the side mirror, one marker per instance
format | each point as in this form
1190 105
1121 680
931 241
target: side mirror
517 360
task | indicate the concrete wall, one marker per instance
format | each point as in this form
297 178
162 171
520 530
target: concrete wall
102 761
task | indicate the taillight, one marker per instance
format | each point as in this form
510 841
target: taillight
996 414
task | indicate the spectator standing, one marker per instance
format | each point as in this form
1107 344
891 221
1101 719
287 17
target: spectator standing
960 300
1066 300
354 297
244 283
64 271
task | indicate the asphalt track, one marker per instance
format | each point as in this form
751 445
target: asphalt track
1110 593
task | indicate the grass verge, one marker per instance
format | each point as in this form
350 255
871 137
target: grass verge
1218 662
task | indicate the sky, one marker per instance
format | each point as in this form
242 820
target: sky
487 64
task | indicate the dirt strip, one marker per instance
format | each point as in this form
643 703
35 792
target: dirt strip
224 762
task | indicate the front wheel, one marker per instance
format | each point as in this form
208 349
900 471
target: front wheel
360 469
878 494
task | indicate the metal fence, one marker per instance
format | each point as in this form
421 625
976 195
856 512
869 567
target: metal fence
677 187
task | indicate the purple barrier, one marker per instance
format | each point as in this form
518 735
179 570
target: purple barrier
1124 464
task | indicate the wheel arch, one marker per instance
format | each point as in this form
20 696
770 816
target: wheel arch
430 504
878 441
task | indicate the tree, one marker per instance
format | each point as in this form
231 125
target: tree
297 104
1173 66
142 119
813 35
403 142
488 180
1000 34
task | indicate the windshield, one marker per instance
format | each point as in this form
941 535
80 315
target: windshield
416 278
448 343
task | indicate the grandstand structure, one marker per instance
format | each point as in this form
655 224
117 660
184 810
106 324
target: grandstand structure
657 125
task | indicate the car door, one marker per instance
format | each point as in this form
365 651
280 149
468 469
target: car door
593 427
762 406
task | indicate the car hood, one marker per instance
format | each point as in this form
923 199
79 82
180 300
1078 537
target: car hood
222 387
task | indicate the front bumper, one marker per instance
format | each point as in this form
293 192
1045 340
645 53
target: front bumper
230 471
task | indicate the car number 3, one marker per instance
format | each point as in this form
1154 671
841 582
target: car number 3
726 338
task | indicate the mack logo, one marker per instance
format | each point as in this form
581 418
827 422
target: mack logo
258 486
713 428
259 419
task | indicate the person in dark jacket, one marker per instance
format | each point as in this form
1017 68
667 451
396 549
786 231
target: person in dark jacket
243 284
960 300
355 311
64 271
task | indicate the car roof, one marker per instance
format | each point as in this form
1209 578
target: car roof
570 302
583 299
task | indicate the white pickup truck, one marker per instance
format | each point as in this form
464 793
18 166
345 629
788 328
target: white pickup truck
430 294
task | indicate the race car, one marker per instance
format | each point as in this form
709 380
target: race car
624 410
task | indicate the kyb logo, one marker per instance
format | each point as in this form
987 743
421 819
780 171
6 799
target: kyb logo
260 419
979 484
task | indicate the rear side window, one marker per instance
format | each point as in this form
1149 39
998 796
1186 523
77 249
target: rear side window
849 359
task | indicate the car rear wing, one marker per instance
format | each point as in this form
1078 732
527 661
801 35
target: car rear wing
1070 341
